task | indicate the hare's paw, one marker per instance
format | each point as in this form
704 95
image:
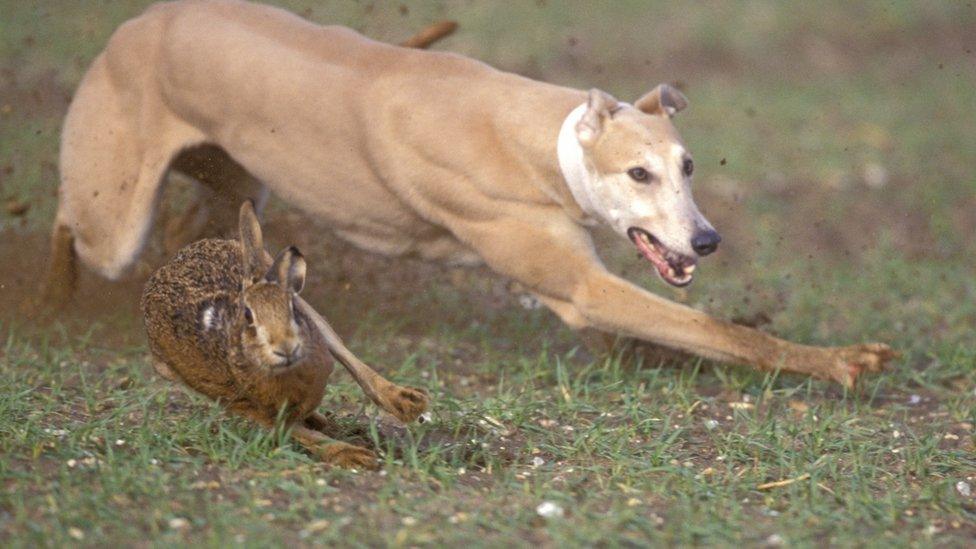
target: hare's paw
348 456
850 362
406 403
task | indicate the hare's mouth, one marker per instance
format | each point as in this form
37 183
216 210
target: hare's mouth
287 361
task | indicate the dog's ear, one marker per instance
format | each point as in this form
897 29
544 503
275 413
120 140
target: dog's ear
663 99
599 107
252 243
288 270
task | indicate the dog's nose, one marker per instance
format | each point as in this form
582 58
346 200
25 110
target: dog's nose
705 242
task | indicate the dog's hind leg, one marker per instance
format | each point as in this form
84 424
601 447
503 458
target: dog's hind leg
225 184
115 150
62 274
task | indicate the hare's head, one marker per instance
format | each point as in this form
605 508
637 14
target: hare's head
270 335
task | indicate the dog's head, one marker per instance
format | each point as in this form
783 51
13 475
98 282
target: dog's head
627 167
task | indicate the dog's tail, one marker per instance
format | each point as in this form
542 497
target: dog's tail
430 34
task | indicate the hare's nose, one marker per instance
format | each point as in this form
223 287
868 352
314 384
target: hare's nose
292 354
295 352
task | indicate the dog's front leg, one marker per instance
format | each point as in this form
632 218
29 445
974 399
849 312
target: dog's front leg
610 303
555 259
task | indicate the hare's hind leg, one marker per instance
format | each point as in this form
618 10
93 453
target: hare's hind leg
164 370
333 451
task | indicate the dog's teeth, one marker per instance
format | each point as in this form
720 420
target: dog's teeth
690 269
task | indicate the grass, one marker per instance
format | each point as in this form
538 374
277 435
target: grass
791 105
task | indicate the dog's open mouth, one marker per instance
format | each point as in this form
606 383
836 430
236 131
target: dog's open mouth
676 269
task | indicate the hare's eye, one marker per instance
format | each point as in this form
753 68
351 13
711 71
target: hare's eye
249 316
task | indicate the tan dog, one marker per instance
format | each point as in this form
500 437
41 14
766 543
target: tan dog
402 152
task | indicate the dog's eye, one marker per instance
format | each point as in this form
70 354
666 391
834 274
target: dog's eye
638 174
688 167
248 316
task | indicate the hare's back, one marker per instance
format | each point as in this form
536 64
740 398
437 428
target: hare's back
205 266
189 302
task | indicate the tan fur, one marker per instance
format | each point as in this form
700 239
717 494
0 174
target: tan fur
401 151
223 319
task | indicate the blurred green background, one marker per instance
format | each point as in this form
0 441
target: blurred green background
835 145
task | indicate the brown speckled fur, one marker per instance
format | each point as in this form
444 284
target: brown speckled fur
196 326
208 274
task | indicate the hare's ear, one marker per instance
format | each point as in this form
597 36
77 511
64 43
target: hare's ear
288 270
252 243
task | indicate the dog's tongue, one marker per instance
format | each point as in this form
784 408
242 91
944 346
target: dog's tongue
664 269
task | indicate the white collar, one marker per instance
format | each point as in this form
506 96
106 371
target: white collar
573 166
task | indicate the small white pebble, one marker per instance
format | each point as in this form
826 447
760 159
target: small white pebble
119 442
964 488
549 509
896 434
317 525
914 399
408 521
711 424
951 436
320 482
76 533
529 302
178 523
875 175
72 462
774 540
538 461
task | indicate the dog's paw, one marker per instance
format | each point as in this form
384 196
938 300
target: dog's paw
850 362
348 456
407 403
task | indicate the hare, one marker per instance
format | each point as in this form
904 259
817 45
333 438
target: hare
227 321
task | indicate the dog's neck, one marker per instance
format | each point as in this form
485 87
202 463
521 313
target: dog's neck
573 166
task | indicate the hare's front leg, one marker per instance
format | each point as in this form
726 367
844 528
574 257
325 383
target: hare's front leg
333 451
404 403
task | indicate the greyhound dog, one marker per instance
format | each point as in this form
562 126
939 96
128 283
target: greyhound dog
401 151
